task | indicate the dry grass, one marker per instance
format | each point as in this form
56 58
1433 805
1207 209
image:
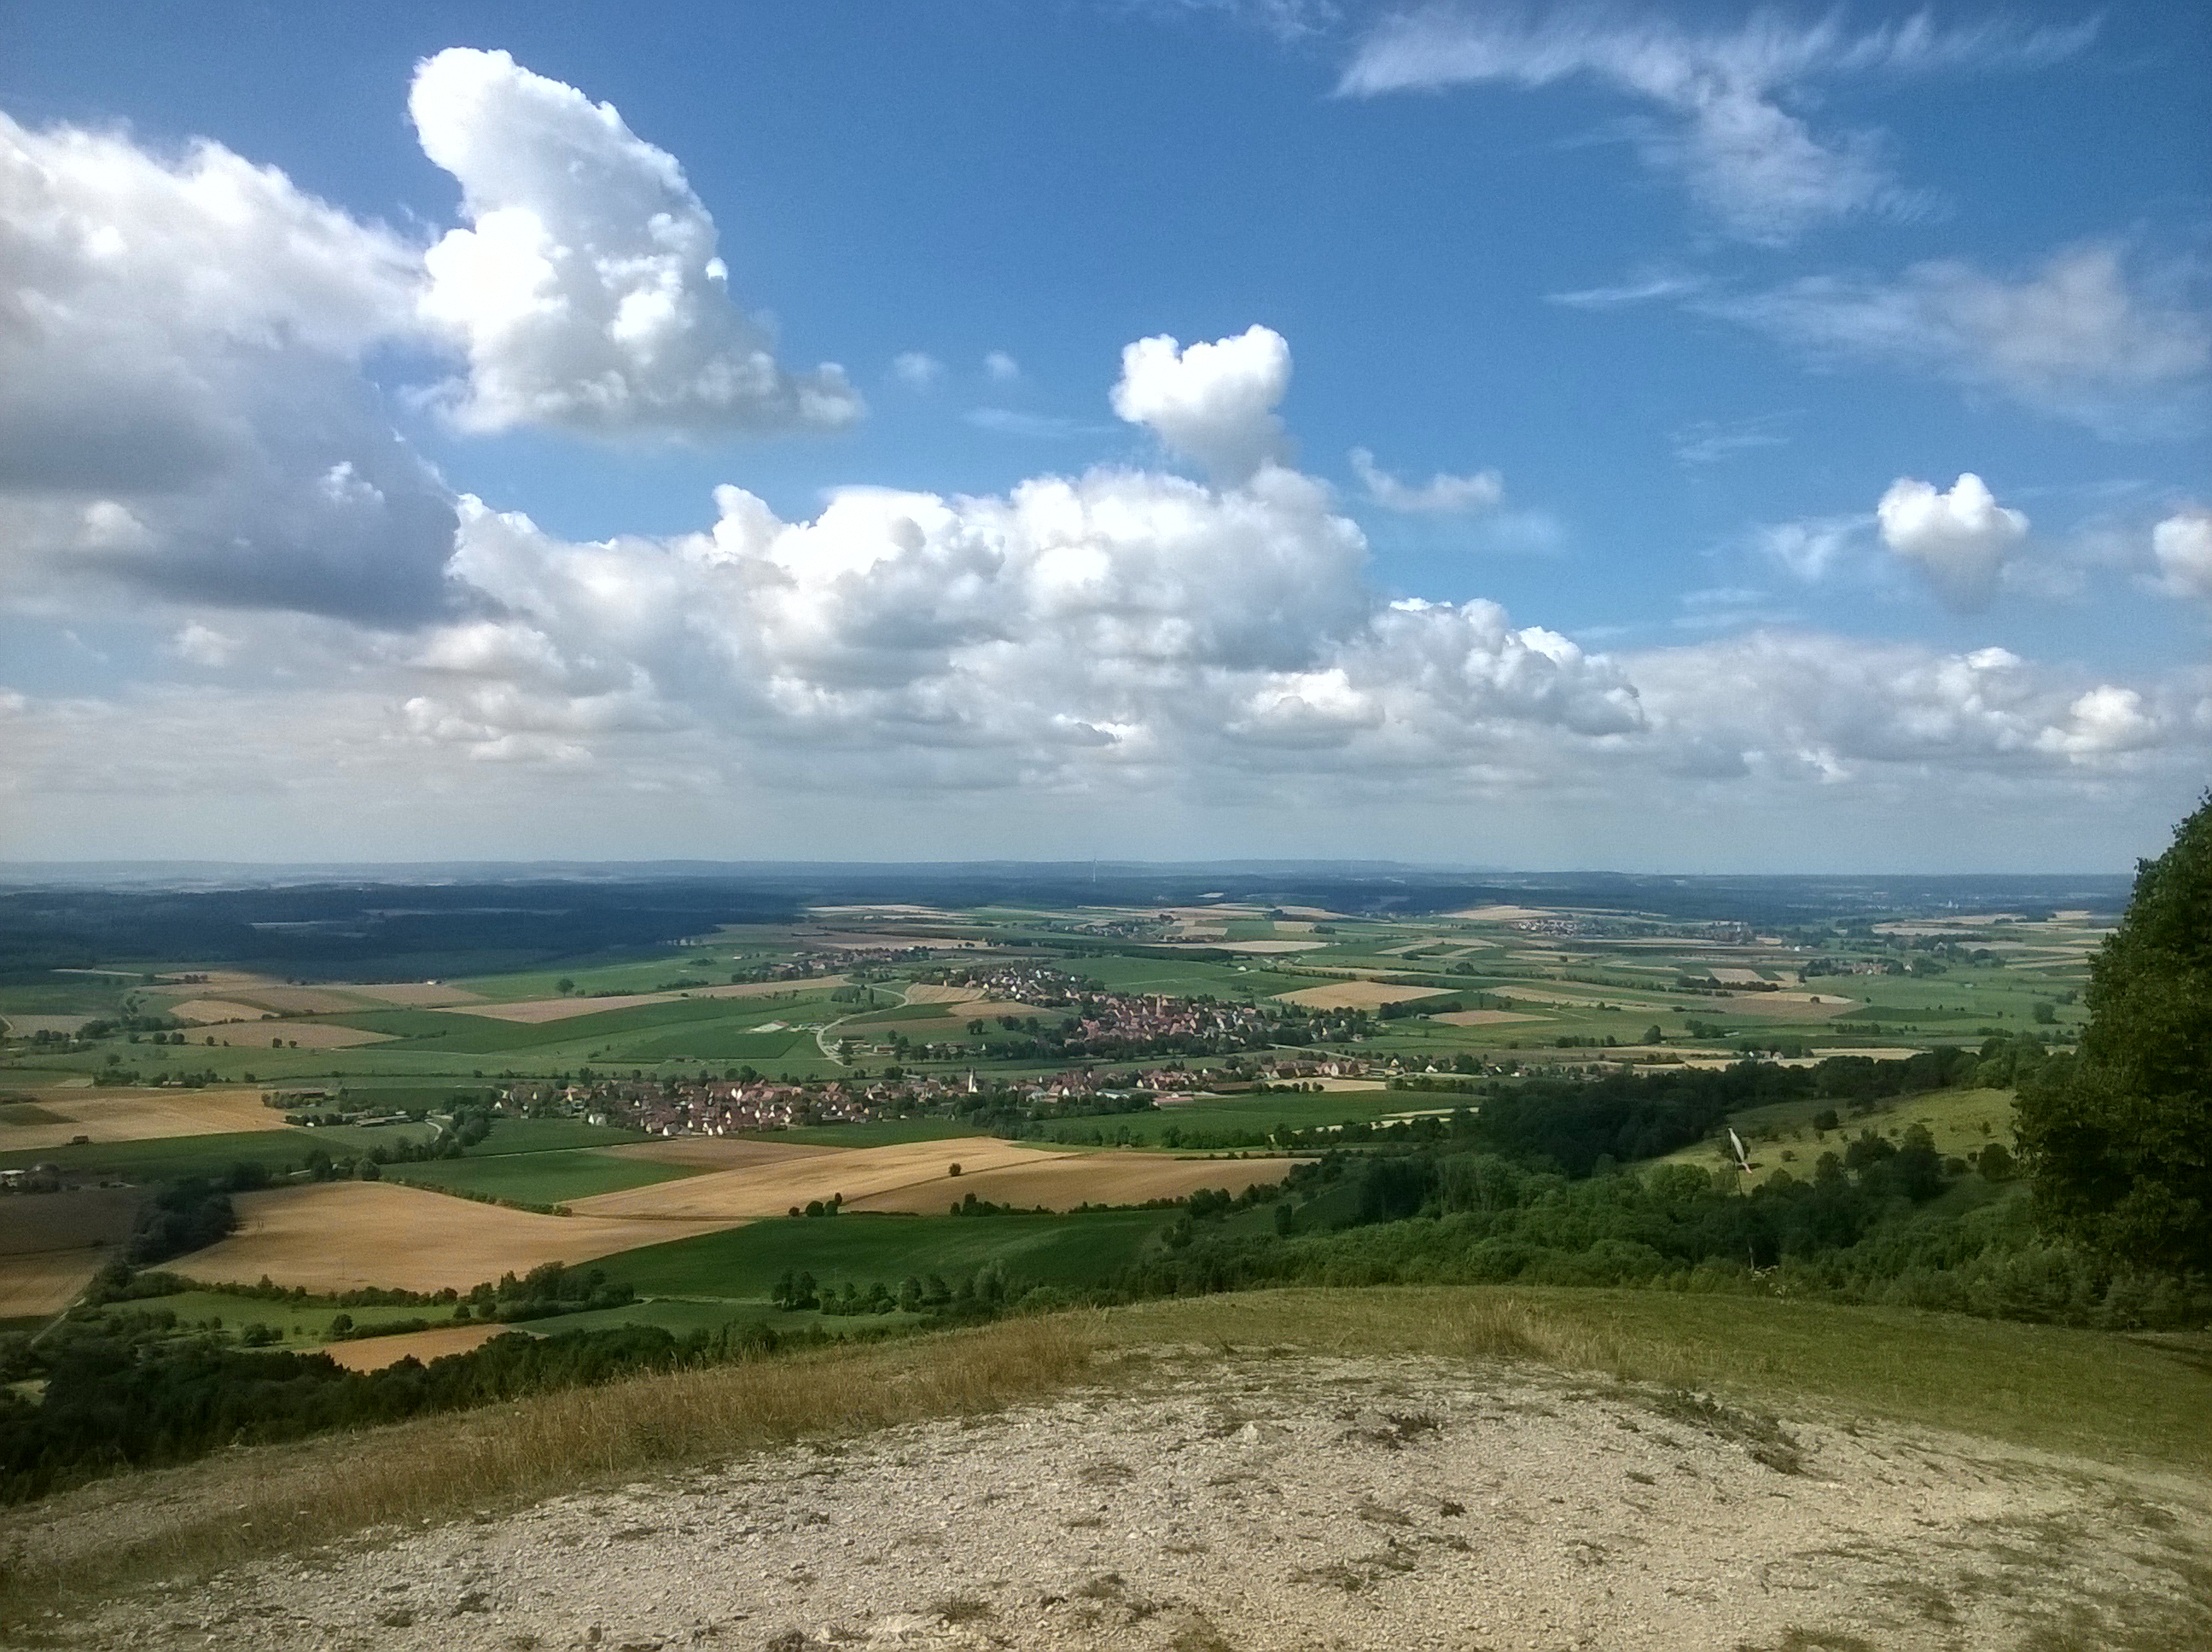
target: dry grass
190 1521
139 1115
1092 1179
752 1192
338 1235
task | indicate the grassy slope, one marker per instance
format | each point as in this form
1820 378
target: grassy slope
2117 1398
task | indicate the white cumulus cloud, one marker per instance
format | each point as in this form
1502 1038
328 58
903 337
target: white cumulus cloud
1959 540
179 385
1442 494
1214 403
2183 545
588 293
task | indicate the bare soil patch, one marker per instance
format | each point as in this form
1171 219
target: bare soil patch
536 1011
720 1198
1192 1503
1487 1018
1085 1178
338 1235
1357 995
51 1244
140 1115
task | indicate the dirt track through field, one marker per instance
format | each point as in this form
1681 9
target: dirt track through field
751 1191
1195 1503
340 1235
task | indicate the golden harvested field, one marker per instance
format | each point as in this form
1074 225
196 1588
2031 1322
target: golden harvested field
1488 1018
932 993
536 1011
206 1012
1082 1179
374 1353
306 1035
720 1198
51 1243
1501 914
725 1152
418 994
140 1115
1357 995
339 1236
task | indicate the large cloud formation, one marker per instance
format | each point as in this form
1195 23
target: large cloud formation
190 441
181 406
589 294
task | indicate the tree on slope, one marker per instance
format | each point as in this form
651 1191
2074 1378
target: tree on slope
2120 1139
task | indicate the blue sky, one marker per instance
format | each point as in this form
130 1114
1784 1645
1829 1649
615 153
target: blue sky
1701 314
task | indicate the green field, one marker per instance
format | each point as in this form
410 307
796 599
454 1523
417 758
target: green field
541 1178
744 1262
176 1157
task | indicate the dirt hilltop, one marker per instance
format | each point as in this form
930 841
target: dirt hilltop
1200 1502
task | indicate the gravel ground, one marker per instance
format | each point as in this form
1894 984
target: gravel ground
1201 1503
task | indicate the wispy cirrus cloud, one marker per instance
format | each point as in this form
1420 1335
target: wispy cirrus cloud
1726 102
2083 337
